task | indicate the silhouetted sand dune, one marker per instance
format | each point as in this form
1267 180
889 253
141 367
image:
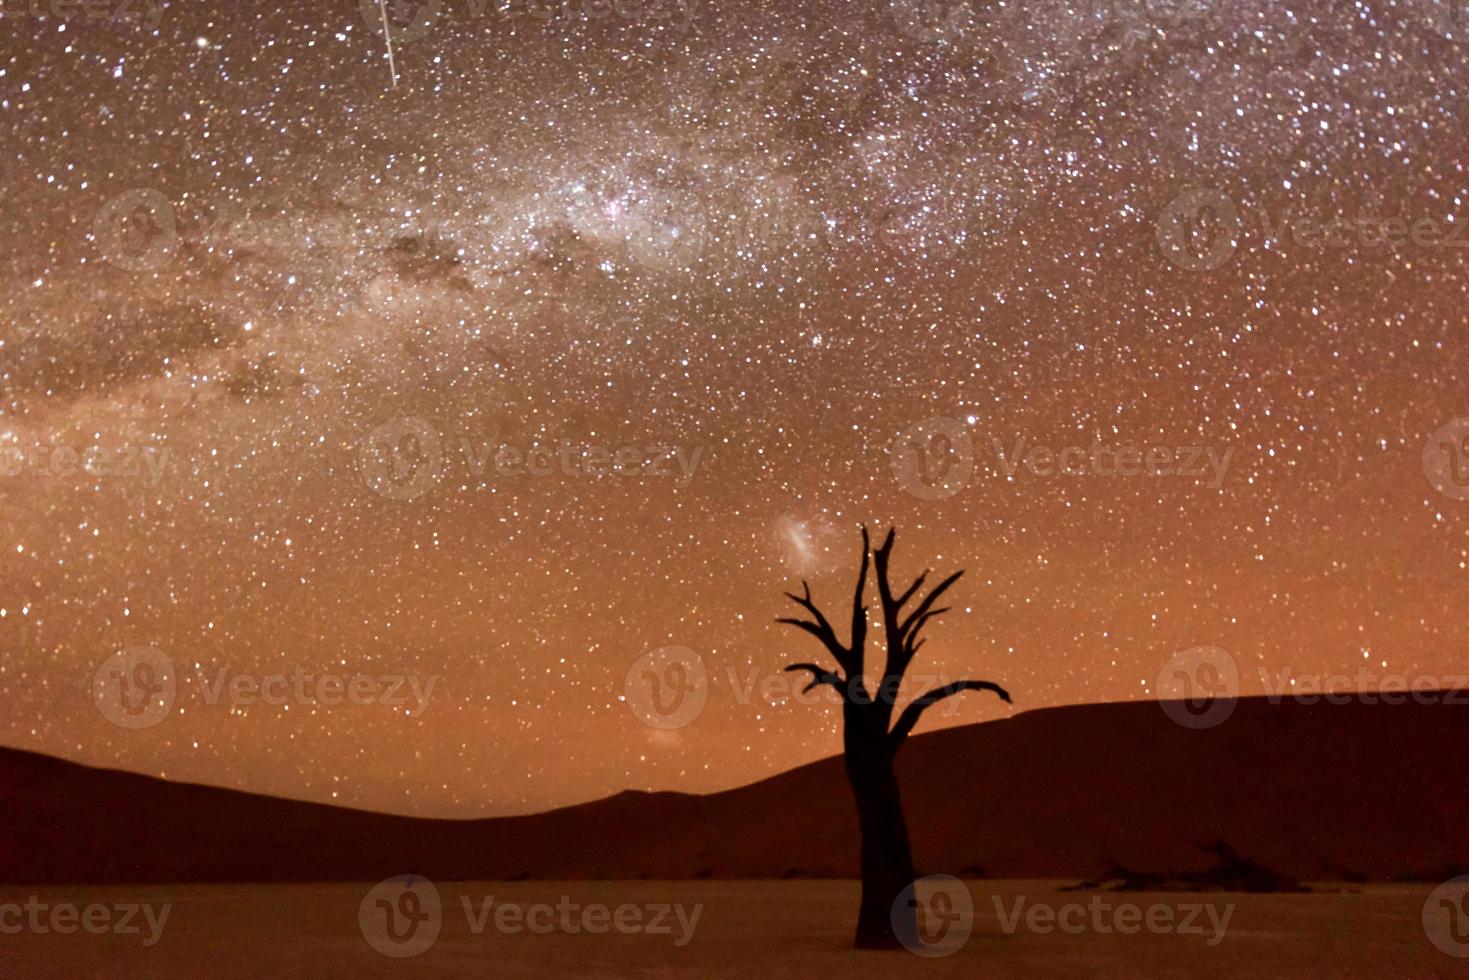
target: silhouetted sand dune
1319 791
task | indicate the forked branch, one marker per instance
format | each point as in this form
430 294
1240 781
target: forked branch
916 619
923 702
849 658
903 631
819 676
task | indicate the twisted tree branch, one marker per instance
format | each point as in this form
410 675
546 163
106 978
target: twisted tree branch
928 601
849 658
859 611
820 676
902 636
891 608
917 583
920 704
806 603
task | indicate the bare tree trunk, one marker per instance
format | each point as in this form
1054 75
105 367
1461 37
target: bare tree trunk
887 857
887 918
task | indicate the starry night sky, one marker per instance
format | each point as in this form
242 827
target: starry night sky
778 238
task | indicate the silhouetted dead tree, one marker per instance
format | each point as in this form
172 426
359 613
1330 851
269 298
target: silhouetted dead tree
870 739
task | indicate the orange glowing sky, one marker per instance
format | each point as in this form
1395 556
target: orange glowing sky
771 239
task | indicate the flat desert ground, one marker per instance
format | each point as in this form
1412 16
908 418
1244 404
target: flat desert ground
746 928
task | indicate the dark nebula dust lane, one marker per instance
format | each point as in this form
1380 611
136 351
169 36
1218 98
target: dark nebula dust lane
611 322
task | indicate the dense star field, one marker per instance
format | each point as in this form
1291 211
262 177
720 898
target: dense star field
606 325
